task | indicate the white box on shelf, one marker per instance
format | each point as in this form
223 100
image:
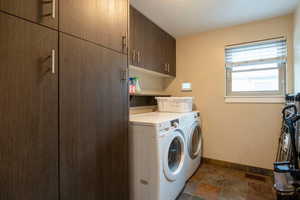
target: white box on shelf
175 104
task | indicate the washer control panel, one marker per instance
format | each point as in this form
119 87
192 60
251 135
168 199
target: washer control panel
168 126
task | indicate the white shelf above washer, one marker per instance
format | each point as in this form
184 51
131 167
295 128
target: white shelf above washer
151 93
149 72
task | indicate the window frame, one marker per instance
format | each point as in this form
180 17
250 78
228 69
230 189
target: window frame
264 95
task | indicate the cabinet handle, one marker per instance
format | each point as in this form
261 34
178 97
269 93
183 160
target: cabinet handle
139 57
124 75
52 14
169 68
53 8
166 67
53 61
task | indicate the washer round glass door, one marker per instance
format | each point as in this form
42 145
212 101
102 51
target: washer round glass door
174 155
195 141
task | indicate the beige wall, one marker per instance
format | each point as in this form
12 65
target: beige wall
297 49
240 133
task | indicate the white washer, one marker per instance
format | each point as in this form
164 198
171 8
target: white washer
192 126
157 156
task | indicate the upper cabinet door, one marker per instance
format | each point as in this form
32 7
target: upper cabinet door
143 41
168 54
29 110
171 55
132 36
39 11
100 21
139 38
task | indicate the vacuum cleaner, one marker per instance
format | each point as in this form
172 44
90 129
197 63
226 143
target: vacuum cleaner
287 172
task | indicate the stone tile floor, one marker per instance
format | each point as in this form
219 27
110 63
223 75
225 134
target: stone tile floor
213 182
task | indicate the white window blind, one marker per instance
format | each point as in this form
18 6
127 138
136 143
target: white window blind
274 51
256 69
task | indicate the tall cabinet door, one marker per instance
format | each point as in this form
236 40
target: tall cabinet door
94 122
39 11
101 21
28 111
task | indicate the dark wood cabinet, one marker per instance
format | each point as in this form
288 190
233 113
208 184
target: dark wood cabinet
103 22
64 129
29 111
94 122
137 38
150 46
39 11
142 40
169 52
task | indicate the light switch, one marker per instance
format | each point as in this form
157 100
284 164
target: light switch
186 87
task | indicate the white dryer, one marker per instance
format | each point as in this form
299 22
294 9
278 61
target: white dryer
157 156
192 127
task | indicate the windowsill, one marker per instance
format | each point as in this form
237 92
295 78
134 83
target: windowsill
255 99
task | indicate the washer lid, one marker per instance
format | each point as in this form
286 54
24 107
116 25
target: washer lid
173 160
153 118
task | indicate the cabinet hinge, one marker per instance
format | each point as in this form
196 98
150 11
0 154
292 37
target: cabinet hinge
124 44
124 75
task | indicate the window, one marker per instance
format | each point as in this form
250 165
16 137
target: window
256 69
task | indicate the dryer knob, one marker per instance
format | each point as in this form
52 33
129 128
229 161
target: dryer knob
175 124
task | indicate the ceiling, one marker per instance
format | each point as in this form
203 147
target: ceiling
184 17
